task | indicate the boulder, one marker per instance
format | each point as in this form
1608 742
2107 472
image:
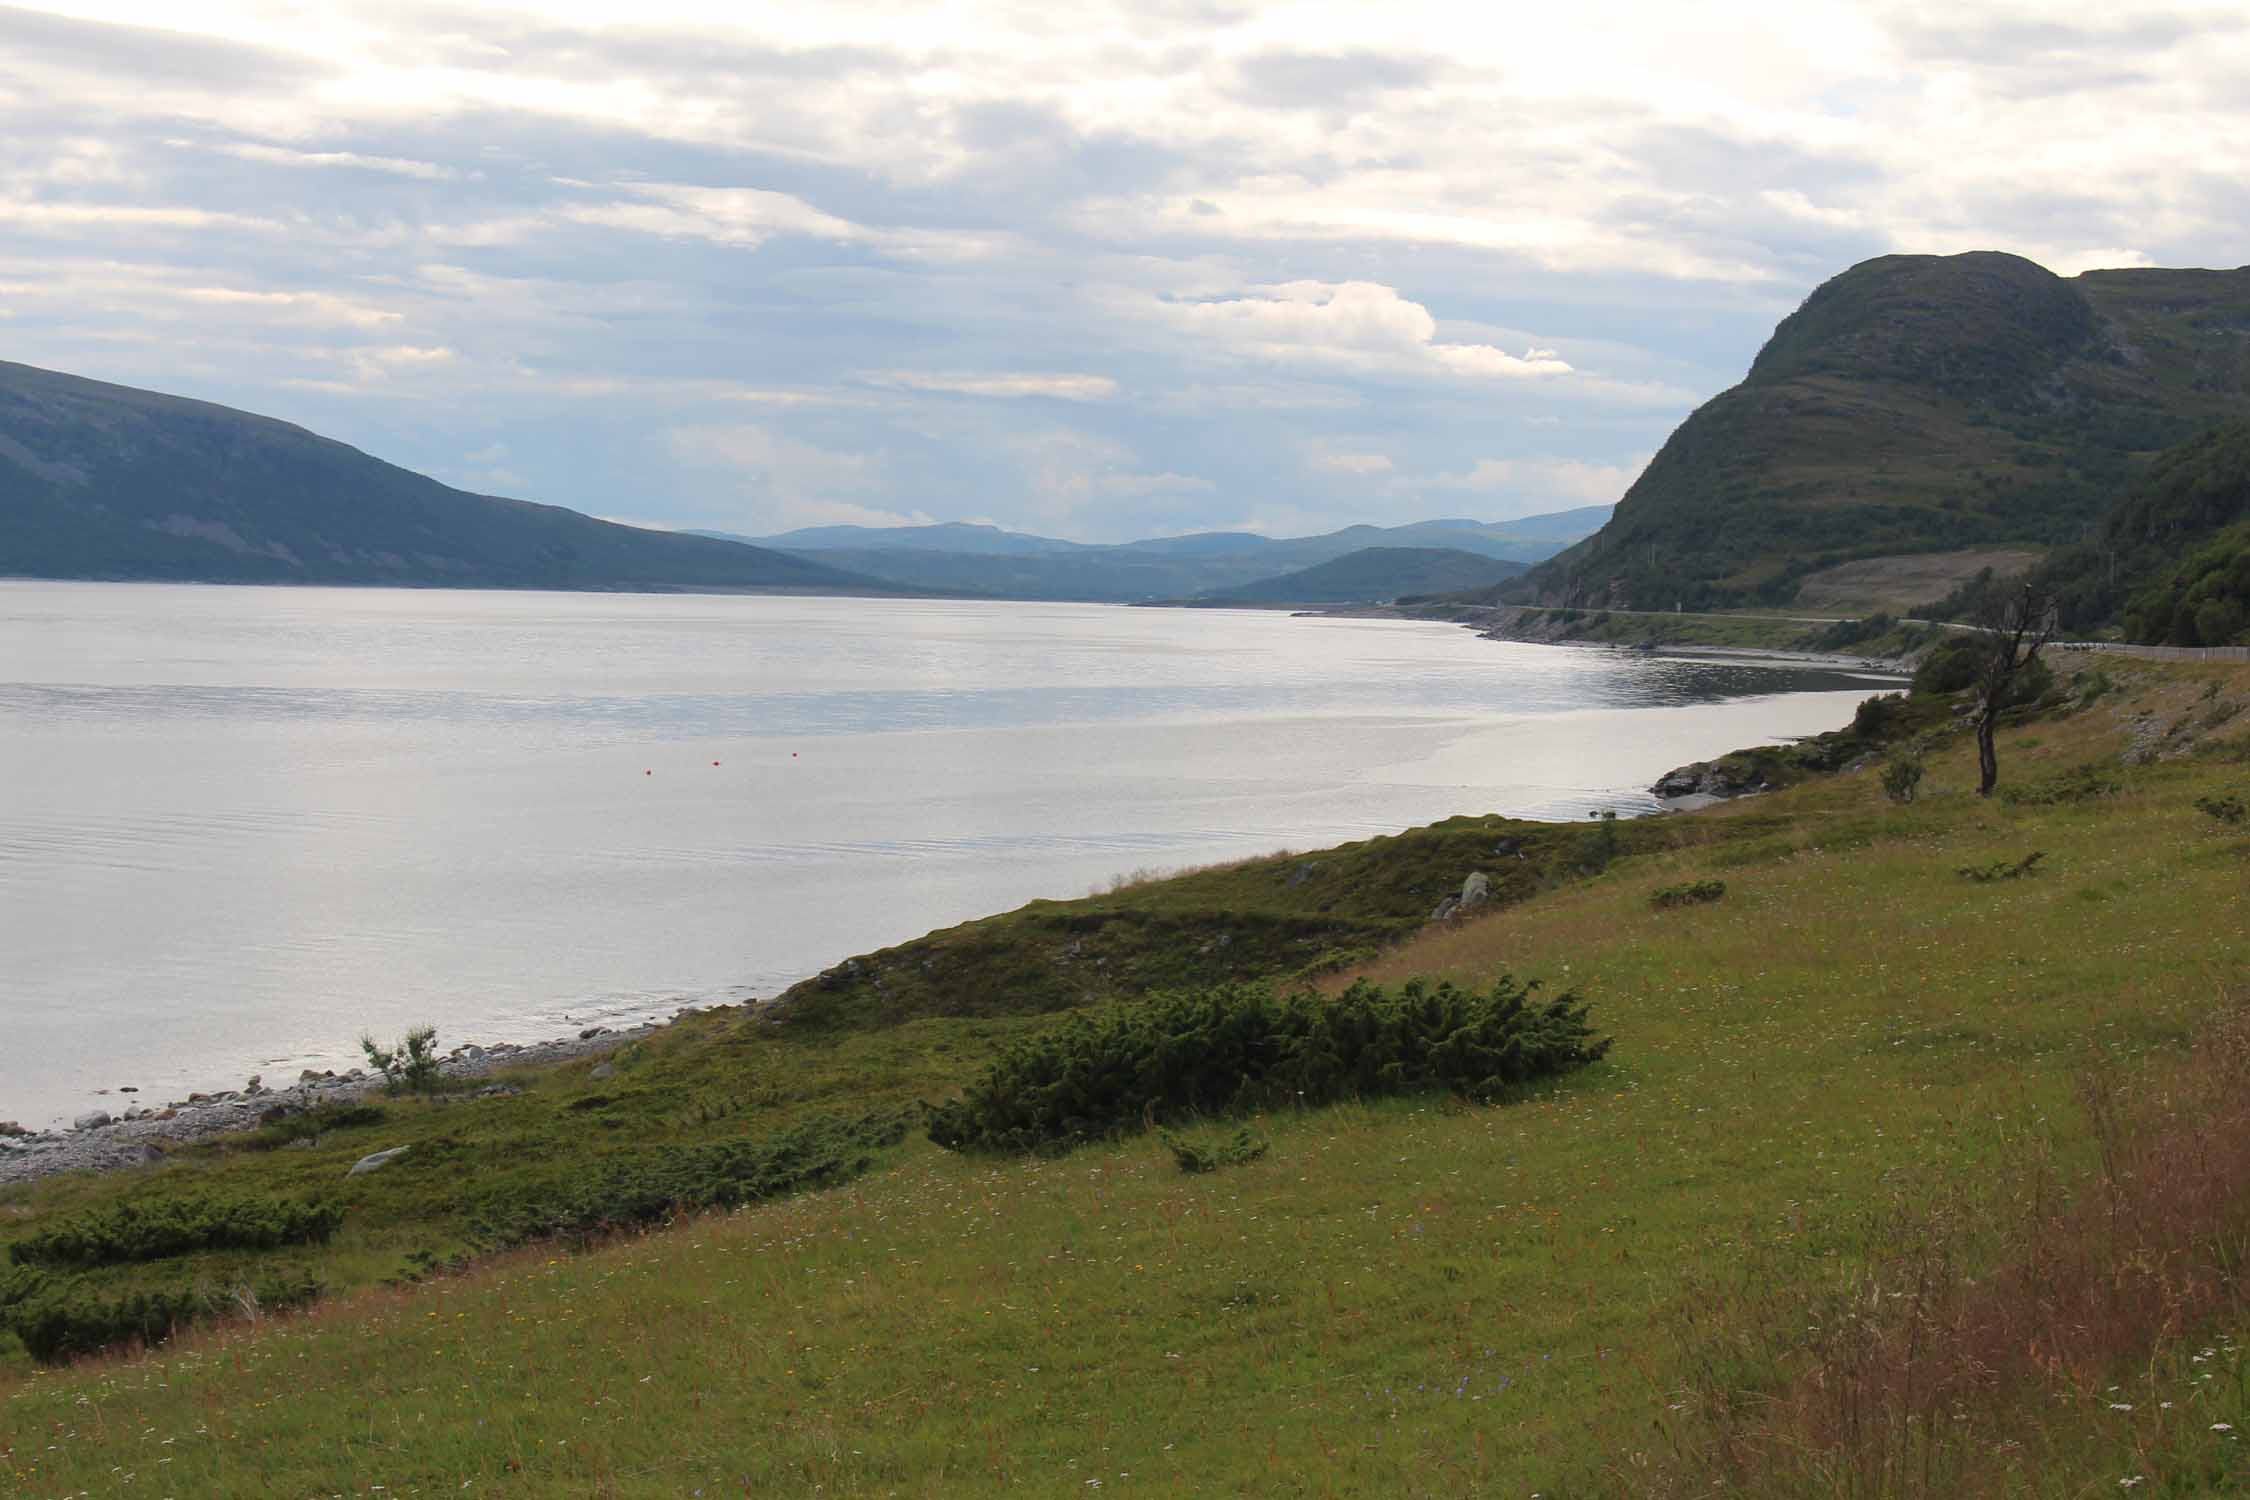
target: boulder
603 1070
378 1161
93 1119
1475 891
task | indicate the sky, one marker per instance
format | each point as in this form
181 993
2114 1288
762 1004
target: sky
1097 271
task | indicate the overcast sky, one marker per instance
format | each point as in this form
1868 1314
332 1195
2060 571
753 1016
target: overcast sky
1096 271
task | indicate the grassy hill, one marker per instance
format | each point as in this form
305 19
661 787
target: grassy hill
1856 1069
103 481
1919 404
1374 575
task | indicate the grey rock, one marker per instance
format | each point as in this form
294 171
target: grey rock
1446 908
1475 891
378 1161
10 1127
93 1119
591 1032
603 1070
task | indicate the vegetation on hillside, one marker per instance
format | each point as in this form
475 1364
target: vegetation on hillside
1172 1059
1918 403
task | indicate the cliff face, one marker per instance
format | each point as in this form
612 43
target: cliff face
1919 403
103 481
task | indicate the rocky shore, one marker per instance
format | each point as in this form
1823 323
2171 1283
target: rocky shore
142 1134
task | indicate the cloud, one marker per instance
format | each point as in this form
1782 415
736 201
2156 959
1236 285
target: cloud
1543 483
1172 263
777 464
282 156
1361 464
1352 323
1056 387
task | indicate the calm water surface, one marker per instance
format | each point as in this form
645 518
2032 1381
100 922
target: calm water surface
240 826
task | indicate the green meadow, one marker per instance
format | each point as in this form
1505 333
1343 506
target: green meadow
1582 1290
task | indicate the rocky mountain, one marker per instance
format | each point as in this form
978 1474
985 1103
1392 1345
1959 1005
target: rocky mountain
104 481
1918 404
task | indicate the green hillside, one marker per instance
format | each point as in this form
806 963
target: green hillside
103 481
1374 575
2170 564
1916 404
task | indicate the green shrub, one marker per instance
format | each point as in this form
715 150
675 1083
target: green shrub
1877 718
1902 776
648 1187
411 1065
2228 808
1846 633
1952 665
1687 893
1217 1051
135 1232
2003 869
315 1122
1240 1149
59 1318
1600 846
2078 784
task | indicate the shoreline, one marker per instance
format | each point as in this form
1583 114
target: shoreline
1490 622
130 1140
140 1134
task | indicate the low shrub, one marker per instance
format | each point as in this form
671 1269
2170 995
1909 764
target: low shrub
59 1318
2078 784
411 1065
638 1189
1902 776
315 1122
1240 1149
2227 808
2002 869
135 1232
1218 1051
1846 633
1687 893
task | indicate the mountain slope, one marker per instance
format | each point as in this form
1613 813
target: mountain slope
1011 564
1920 403
104 481
1374 575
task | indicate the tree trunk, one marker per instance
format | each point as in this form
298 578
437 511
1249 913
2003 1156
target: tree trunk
1988 758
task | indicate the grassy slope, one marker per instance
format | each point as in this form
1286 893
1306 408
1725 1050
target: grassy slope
1919 403
1414 1299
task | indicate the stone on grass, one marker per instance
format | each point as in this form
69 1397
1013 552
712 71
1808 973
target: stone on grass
378 1161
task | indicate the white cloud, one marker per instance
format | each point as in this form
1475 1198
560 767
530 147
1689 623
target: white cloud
1355 324
780 465
312 307
1361 464
282 156
1565 482
1057 387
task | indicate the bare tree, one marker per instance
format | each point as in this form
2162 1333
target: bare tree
2015 624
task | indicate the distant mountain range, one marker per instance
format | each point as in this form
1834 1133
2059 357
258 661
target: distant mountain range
989 560
103 481
1916 404
1374 575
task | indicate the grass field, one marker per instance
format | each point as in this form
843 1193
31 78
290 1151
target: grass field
1411 1298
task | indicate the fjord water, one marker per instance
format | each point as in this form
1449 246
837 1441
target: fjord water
241 826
